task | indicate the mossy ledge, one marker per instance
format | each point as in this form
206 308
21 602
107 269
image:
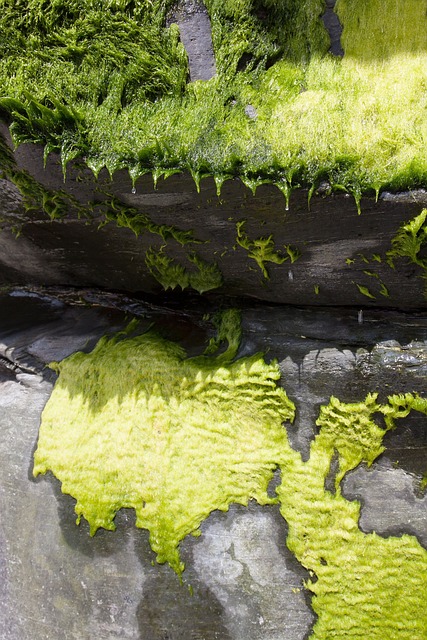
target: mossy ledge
107 81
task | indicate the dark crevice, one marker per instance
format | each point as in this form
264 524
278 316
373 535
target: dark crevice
246 60
333 470
334 28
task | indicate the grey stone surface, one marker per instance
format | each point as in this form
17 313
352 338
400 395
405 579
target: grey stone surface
58 582
390 503
195 29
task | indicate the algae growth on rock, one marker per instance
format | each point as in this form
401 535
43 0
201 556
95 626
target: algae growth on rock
135 423
174 438
107 81
364 585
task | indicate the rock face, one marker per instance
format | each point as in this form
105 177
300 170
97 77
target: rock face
106 233
194 25
332 286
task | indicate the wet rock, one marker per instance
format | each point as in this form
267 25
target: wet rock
411 358
390 504
251 112
196 35
335 250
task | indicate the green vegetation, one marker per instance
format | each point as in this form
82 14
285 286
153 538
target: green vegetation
409 241
125 216
166 270
36 197
137 424
403 30
263 250
107 81
364 586
170 274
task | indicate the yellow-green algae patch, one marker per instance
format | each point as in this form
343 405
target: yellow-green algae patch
365 586
135 423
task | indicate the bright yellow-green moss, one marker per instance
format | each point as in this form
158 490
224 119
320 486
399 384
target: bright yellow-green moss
384 27
410 239
407 245
263 250
108 82
136 424
365 586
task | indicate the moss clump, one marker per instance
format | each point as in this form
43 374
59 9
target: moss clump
147 428
263 250
114 210
107 80
36 197
409 241
364 586
171 274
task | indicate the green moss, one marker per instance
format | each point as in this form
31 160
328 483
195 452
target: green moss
170 274
365 586
207 276
125 216
410 240
36 197
137 424
409 243
379 39
228 330
141 424
254 33
108 81
382 289
7 161
59 204
263 250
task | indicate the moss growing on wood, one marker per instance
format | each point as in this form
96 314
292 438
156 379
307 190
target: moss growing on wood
126 216
409 241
